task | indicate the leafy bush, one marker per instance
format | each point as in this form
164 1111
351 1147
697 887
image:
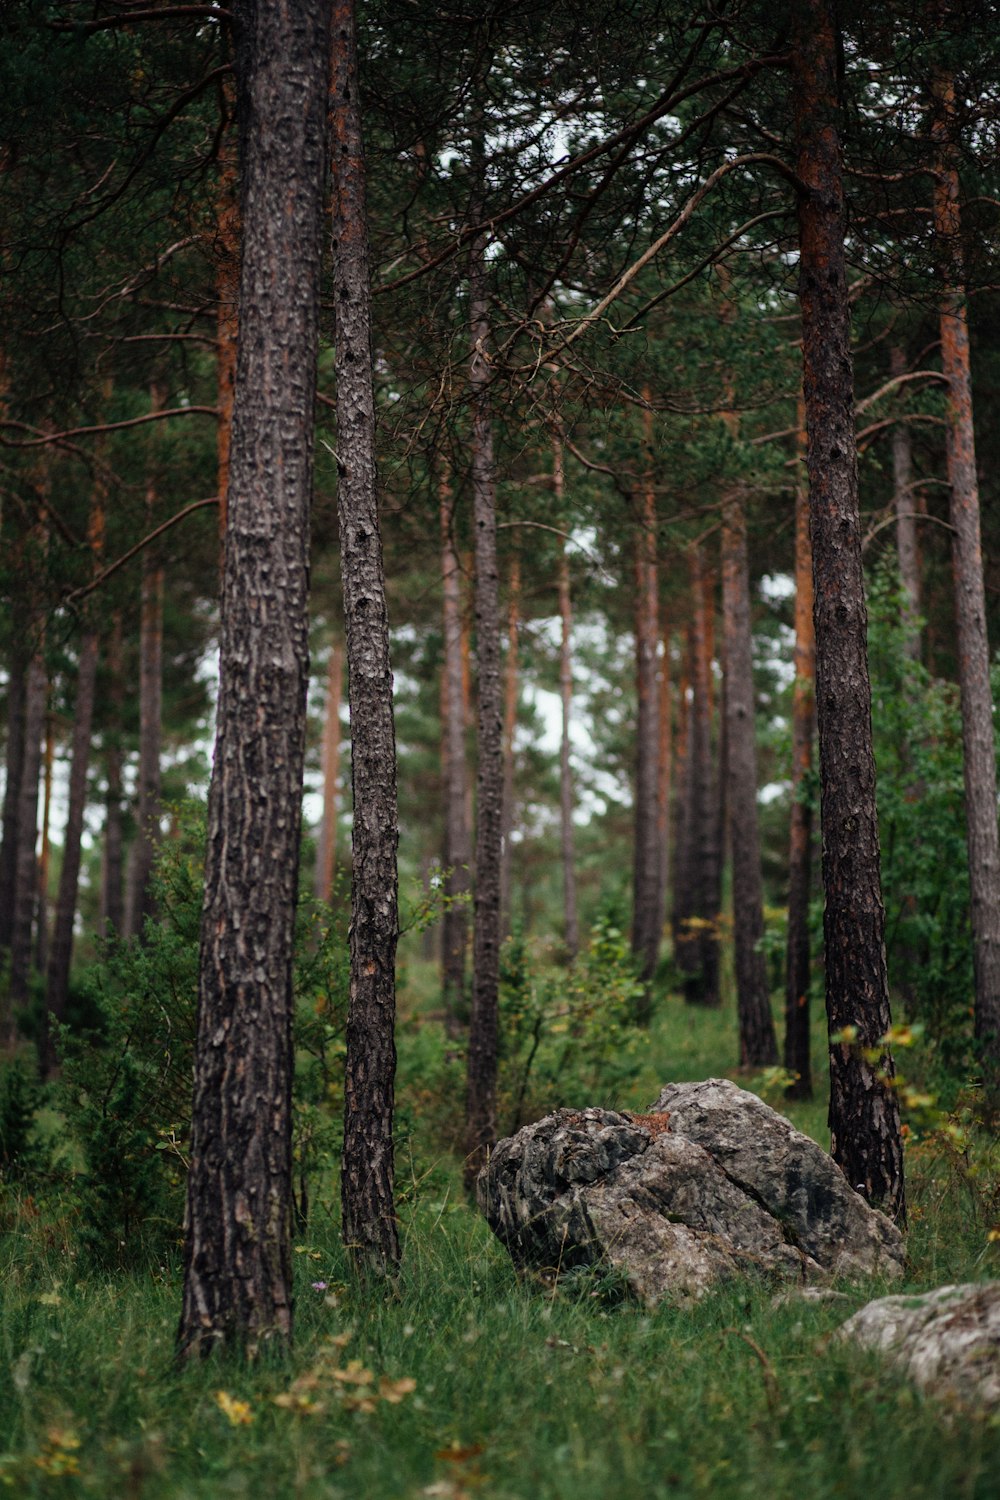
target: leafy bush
126 1090
567 1036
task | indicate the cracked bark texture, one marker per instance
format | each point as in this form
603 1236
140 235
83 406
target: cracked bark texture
367 1170
238 1271
864 1113
457 846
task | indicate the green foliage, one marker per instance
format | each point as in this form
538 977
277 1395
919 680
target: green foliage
567 1036
126 1090
918 750
19 1099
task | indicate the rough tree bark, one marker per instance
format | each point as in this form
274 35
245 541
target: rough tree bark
238 1271
481 1085
979 759
326 849
16 682
26 865
798 1060
864 1114
758 1044
457 849
647 918
366 1183
664 778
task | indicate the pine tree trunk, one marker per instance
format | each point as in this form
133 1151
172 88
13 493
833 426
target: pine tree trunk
907 552
864 1114
113 878
798 959
326 849
457 850
647 919
978 735
238 1260
16 682
61 955
369 1214
26 869
681 907
758 1045
481 1088
510 696
140 902
664 778
698 950
227 288
45 852
571 932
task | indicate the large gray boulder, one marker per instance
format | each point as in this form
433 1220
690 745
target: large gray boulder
712 1183
946 1341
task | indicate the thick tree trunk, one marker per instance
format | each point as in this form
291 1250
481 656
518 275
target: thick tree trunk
369 1214
647 917
758 1045
238 1260
864 1113
227 287
140 902
798 959
571 931
113 876
978 740
907 551
457 847
481 1087
326 848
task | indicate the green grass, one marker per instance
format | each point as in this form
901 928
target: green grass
521 1392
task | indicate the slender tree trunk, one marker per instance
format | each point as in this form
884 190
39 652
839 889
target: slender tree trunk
664 768
571 932
758 1045
140 902
978 735
698 951
61 955
457 850
907 552
864 1113
113 881
682 863
45 852
26 872
16 682
481 1102
798 960
326 851
238 1260
369 1214
647 918
510 696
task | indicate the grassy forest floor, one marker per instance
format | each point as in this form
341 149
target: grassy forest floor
471 1382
